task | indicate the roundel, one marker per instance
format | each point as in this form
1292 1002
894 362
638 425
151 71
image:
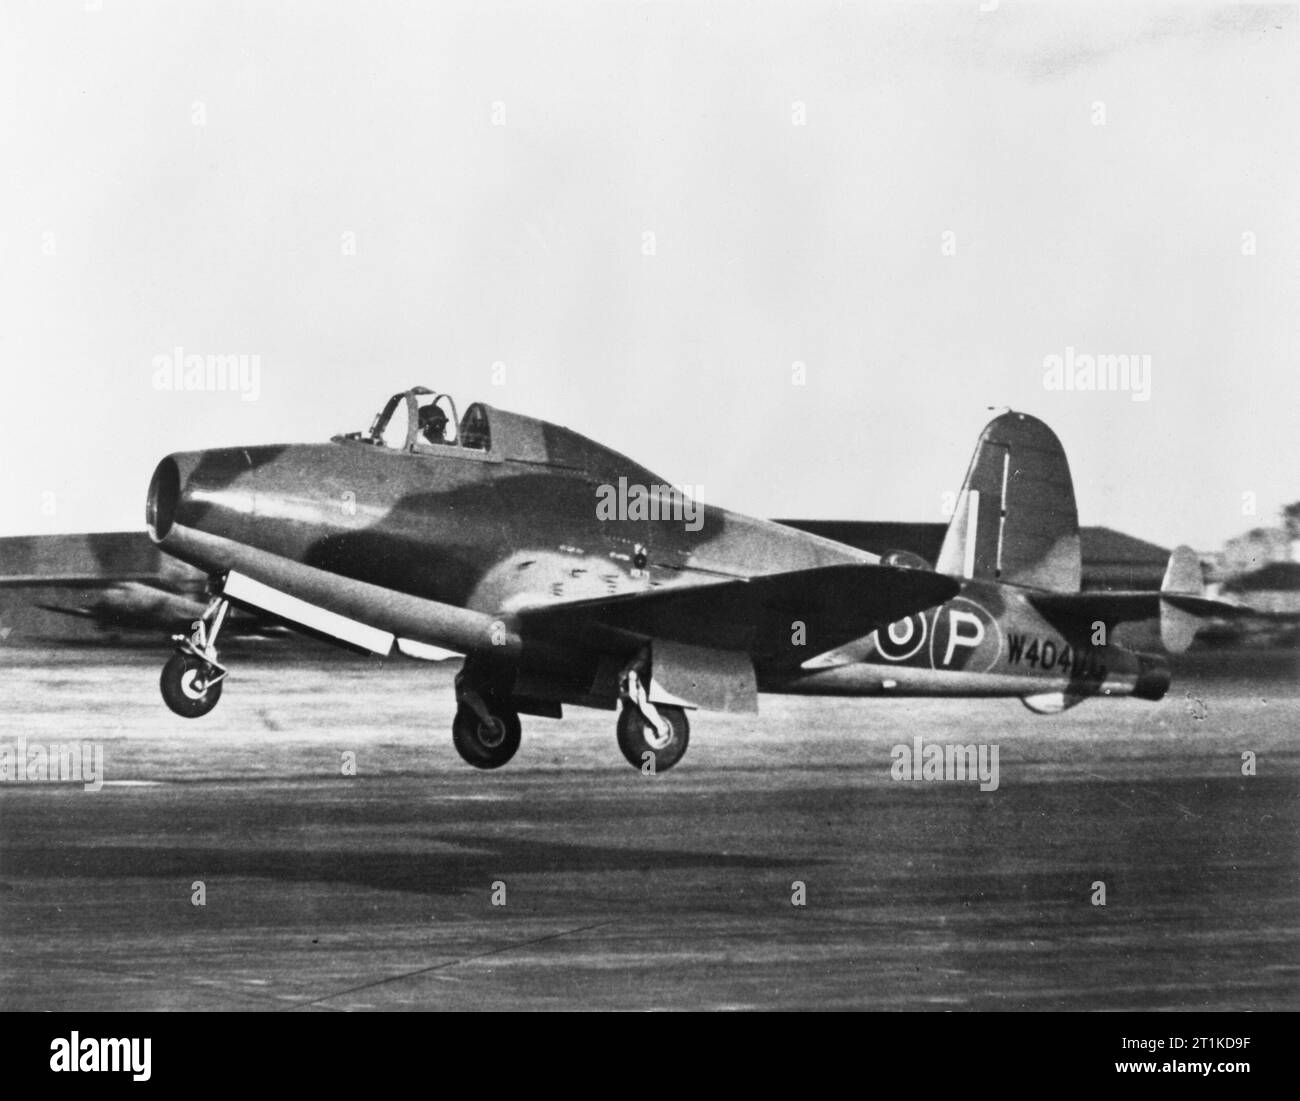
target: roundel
902 638
965 637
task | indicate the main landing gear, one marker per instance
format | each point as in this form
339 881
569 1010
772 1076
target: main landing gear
192 678
652 738
486 729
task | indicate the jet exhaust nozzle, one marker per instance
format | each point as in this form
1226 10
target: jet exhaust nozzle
1153 678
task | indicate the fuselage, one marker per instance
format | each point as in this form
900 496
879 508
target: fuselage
540 514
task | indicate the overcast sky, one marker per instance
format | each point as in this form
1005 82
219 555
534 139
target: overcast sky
647 214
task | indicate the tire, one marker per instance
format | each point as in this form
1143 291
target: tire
177 683
636 738
483 745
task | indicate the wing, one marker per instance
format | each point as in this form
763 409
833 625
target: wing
759 616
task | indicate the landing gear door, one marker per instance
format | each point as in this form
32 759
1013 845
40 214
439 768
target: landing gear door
695 676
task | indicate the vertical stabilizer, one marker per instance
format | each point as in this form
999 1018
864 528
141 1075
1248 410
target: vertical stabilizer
1183 577
1016 520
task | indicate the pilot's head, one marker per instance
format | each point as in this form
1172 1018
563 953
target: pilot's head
433 422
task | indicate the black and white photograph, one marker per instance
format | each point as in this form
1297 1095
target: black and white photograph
650 506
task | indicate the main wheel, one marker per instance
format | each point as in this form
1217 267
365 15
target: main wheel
186 688
637 738
486 744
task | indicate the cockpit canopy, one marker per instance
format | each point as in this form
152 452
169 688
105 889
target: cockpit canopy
421 419
423 422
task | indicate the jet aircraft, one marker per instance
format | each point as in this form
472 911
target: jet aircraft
566 573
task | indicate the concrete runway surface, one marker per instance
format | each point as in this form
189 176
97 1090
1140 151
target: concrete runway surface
330 892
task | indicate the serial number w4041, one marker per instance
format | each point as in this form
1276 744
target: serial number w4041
1048 653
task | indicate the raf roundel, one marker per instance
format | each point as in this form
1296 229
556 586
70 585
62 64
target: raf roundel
902 638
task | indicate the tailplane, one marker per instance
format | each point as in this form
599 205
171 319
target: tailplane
1184 607
1015 520
1169 618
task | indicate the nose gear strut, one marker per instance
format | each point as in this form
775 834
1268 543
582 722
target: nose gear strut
202 642
192 678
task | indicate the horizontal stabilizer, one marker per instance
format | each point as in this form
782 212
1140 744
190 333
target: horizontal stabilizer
1130 607
777 618
1179 609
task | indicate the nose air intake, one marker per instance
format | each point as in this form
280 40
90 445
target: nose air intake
160 505
210 490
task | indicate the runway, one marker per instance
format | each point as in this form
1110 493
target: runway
328 892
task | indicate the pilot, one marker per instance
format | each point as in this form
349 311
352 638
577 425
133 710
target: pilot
433 424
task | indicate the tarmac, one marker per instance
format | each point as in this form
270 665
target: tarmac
780 865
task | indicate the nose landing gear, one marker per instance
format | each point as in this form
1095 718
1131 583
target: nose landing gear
192 678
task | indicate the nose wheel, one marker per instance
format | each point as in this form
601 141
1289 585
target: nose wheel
188 686
192 678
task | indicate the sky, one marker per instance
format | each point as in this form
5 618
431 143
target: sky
793 254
